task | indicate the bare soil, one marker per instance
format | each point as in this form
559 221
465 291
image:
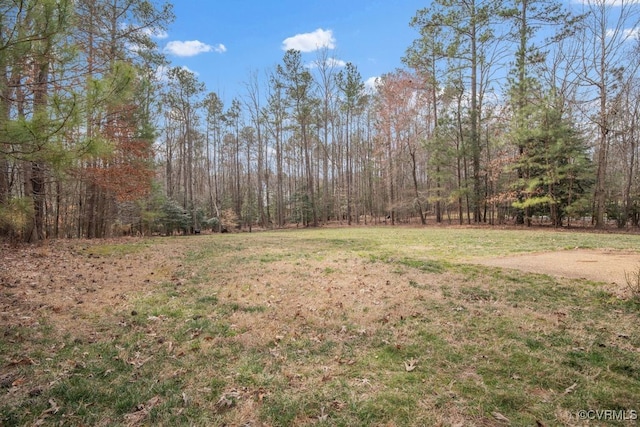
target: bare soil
607 266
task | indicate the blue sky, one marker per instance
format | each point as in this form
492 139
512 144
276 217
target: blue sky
223 40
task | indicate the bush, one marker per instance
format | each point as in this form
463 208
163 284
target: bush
229 220
633 284
174 217
15 216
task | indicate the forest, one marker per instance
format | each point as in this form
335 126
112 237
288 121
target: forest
516 112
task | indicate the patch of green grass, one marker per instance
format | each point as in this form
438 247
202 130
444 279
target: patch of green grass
476 293
391 405
117 249
231 307
417 285
428 266
208 300
272 257
283 408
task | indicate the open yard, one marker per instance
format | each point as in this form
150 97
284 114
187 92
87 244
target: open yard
330 327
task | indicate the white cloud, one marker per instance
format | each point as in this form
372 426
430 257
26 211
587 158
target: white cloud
371 83
195 73
626 34
337 63
330 63
153 32
156 33
309 42
162 73
160 34
220 48
191 48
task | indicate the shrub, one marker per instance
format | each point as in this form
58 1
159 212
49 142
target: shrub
633 284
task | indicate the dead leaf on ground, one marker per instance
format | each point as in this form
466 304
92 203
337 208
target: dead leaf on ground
322 416
18 382
571 388
54 408
142 410
498 416
224 403
138 363
410 365
25 361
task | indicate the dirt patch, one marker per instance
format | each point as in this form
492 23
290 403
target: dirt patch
606 266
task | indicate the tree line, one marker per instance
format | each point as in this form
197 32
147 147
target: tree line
503 112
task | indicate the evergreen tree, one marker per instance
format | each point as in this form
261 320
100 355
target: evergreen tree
298 85
350 84
526 18
557 170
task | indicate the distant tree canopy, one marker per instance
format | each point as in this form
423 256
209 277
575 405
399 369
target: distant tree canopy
99 135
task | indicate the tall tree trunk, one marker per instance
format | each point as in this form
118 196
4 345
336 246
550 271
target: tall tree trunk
279 176
628 205
603 155
260 176
348 168
38 194
475 119
5 105
37 178
416 194
309 171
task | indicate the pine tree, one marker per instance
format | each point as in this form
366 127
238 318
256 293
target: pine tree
555 165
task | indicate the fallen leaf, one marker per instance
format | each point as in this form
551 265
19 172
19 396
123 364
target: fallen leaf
224 403
322 416
18 382
142 410
54 407
22 362
365 381
410 365
498 416
571 388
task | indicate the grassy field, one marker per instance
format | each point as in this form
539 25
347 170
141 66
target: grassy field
328 327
